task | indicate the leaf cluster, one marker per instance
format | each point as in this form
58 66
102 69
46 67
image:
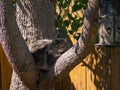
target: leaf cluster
68 17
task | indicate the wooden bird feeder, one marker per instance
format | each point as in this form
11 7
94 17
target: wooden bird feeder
109 24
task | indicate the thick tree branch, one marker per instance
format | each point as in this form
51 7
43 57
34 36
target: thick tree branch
77 53
15 47
36 20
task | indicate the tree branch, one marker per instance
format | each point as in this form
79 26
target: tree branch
15 48
77 53
20 57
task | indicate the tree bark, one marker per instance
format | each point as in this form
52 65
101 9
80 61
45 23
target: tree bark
15 48
35 25
36 19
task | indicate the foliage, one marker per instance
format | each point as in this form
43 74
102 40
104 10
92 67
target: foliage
67 15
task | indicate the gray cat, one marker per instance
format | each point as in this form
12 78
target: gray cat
46 52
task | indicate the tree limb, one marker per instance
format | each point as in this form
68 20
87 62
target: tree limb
15 48
78 52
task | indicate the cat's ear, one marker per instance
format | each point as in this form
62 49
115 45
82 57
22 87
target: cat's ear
39 44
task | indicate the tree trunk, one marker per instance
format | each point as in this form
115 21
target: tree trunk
15 48
36 21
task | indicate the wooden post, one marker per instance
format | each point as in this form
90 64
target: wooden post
5 70
115 69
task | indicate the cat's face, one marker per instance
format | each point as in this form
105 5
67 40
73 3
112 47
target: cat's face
58 47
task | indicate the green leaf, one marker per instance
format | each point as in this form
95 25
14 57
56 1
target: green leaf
66 23
77 6
75 25
59 4
81 18
70 31
84 6
70 16
65 3
68 2
58 21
